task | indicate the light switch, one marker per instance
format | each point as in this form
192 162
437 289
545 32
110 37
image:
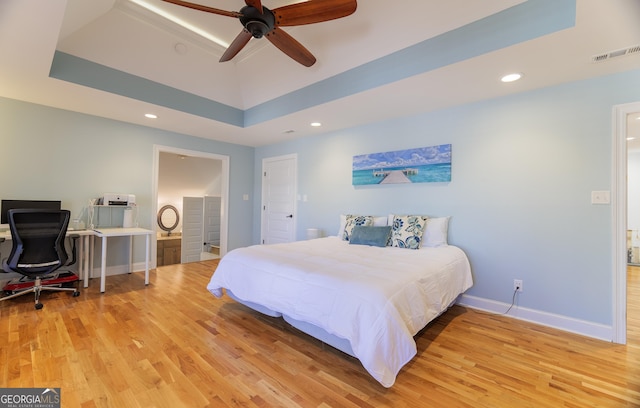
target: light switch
600 197
245 197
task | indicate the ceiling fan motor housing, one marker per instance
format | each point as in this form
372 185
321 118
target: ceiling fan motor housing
258 24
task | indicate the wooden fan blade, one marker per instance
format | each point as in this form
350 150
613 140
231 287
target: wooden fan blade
254 3
238 43
291 47
313 11
205 8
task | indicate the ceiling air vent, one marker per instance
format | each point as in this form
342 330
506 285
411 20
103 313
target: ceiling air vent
618 53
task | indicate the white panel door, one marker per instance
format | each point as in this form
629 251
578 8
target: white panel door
212 208
279 199
192 242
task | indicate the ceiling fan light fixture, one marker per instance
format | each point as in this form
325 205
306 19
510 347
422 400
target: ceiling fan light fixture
257 28
256 22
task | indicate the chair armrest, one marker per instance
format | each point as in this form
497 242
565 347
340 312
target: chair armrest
74 239
2 239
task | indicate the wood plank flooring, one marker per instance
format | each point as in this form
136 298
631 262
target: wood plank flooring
172 344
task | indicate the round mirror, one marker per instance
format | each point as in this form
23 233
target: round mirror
168 218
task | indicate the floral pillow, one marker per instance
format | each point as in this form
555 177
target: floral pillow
354 220
407 230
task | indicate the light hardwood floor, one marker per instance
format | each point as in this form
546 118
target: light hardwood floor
172 344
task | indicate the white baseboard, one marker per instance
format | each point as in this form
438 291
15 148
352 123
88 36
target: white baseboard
583 327
119 269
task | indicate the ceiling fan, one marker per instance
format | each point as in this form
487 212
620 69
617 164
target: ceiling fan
259 21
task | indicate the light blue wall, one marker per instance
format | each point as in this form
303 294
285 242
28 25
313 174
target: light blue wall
55 154
523 170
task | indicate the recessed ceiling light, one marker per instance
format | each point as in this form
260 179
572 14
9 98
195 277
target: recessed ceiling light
150 116
316 124
511 77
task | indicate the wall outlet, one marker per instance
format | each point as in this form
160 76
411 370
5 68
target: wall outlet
517 285
600 197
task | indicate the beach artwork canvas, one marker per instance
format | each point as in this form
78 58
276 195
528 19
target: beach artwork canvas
421 165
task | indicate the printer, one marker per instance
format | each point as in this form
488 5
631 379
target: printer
118 199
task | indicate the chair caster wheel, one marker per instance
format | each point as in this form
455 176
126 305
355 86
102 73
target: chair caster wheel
76 294
39 306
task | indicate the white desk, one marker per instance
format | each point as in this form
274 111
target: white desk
105 233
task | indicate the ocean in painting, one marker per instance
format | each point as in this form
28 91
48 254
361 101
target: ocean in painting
422 165
430 173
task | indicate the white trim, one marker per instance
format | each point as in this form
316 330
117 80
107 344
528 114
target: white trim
569 324
619 219
293 156
136 267
224 188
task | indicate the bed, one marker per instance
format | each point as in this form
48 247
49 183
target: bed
366 300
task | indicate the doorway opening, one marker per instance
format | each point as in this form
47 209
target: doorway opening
193 173
622 115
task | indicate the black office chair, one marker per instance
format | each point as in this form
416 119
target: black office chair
38 251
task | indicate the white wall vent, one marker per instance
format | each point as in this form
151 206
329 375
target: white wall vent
618 53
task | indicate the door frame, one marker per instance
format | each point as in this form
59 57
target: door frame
266 160
224 189
619 219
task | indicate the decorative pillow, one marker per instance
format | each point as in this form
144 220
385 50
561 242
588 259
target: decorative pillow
407 231
435 234
390 218
377 221
374 236
353 221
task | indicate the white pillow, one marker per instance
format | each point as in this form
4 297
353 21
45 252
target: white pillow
380 221
343 223
436 232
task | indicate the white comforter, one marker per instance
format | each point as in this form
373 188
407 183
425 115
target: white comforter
376 298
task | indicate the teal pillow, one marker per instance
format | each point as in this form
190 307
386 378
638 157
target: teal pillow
366 235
